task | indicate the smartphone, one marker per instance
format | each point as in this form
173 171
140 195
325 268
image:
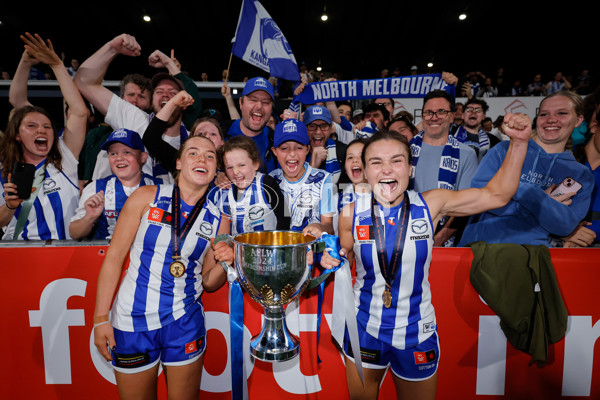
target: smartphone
568 185
22 176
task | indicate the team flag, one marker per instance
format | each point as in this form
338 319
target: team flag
259 41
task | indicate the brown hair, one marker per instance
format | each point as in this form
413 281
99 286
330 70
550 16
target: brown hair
576 99
11 150
182 149
387 135
238 142
207 119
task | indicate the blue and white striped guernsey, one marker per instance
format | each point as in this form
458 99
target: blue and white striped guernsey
149 296
115 196
345 197
308 198
252 213
411 318
55 203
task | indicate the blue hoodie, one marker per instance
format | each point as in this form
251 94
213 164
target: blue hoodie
595 203
531 216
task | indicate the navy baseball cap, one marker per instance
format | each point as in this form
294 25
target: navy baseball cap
258 83
315 113
161 76
290 129
128 137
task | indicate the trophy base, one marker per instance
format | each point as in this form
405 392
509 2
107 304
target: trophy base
274 342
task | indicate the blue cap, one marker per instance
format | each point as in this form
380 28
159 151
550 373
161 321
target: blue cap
128 137
315 113
258 83
290 129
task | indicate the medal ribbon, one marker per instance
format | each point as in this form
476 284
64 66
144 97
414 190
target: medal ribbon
178 234
389 269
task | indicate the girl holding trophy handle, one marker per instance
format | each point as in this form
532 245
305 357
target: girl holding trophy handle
391 238
157 315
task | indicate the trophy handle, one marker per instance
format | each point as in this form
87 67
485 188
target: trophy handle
331 243
228 239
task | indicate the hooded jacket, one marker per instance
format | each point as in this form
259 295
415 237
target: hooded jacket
520 285
531 216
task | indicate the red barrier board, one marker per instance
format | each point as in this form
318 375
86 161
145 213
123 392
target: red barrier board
47 303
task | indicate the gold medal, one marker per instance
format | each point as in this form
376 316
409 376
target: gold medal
177 268
387 297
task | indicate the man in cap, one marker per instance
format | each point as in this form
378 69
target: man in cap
135 89
325 153
256 106
121 114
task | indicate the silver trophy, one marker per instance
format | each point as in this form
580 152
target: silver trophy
274 267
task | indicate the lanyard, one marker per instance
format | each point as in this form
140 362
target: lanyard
178 232
390 269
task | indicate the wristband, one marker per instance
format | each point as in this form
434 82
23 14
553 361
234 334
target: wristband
9 207
100 323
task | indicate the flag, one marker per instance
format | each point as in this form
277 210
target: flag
259 41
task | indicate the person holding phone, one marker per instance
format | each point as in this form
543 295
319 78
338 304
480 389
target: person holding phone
31 138
534 215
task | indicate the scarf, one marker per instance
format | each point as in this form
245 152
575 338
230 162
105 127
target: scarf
332 165
448 169
481 147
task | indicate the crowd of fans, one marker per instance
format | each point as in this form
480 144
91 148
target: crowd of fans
166 166
142 98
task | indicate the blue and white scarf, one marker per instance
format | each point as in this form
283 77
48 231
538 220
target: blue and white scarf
412 86
448 169
481 147
369 130
555 87
332 165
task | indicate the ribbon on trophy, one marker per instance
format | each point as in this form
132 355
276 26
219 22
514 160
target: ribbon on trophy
332 245
239 388
343 299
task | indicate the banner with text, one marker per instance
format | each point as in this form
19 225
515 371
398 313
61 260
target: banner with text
47 297
414 86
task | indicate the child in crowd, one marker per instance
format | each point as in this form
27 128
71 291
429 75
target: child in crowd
210 128
309 191
254 201
355 170
102 200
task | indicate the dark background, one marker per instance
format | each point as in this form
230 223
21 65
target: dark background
357 42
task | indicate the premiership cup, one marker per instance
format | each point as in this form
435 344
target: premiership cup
274 267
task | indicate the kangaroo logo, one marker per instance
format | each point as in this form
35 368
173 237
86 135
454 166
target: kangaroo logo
274 44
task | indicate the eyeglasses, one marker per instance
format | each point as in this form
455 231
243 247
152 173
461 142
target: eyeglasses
322 127
384 104
473 110
439 114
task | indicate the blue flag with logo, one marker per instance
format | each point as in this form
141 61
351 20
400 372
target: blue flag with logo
259 41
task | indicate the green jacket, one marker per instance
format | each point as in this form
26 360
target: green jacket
518 282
